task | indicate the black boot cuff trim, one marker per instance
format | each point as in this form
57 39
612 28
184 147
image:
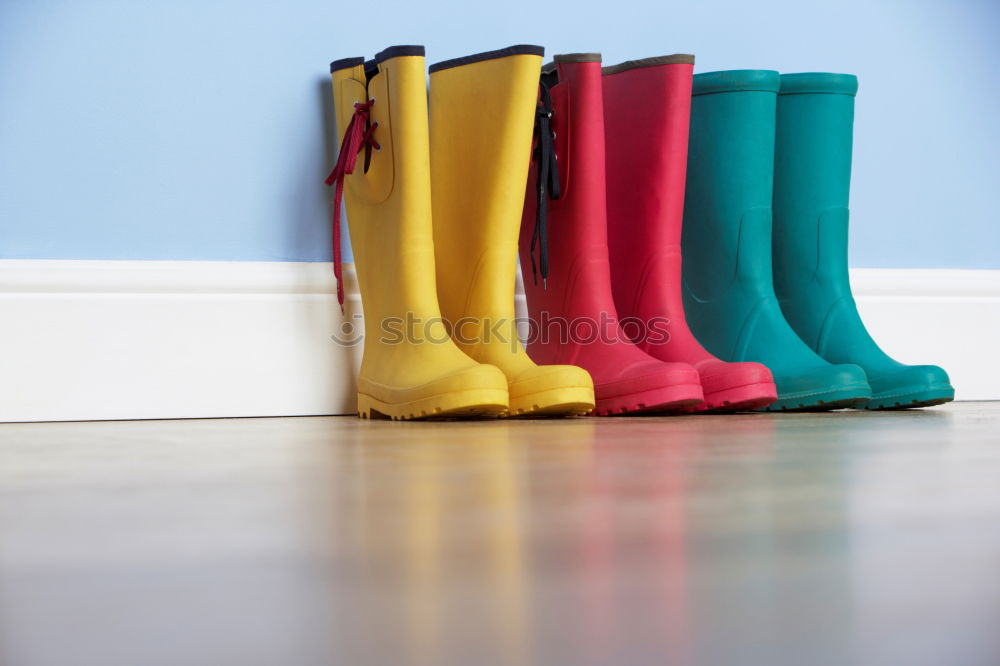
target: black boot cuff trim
519 49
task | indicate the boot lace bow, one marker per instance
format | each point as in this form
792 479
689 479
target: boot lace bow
359 134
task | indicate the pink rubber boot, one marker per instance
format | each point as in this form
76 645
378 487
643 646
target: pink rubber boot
647 108
564 253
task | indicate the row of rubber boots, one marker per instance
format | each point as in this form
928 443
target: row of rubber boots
439 210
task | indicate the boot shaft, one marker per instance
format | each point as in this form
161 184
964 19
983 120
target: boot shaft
578 122
578 216
482 110
647 108
732 115
727 208
647 116
813 142
401 166
579 284
388 197
813 146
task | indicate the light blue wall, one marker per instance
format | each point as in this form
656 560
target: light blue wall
199 129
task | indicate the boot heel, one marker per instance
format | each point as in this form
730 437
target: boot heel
364 406
373 410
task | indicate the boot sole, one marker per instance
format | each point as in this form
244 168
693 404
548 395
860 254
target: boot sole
739 398
563 401
842 398
670 399
459 404
907 399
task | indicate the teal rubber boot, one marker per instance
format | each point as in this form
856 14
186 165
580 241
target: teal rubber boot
812 175
729 295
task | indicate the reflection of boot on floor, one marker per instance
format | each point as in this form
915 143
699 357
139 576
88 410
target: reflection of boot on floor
482 108
812 174
647 106
728 291
564 242
388 199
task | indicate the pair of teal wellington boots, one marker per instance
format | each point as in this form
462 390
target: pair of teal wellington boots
765 242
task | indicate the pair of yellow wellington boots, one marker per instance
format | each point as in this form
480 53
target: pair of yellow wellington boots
434 210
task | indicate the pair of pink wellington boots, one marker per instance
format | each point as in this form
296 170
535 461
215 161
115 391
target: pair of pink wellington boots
601 237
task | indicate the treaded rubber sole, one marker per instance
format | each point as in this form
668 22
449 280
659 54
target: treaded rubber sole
666 399
842 398
562 401
459 404
908 399
739 398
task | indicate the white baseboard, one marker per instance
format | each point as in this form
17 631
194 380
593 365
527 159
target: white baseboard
91 340
942 316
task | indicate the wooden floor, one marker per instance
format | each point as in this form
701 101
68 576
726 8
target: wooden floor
843 538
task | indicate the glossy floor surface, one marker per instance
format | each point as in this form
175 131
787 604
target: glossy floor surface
806 539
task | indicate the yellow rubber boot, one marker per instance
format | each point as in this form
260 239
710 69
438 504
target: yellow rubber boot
410 368
482 110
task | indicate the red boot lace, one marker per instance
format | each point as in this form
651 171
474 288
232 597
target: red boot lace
358 135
